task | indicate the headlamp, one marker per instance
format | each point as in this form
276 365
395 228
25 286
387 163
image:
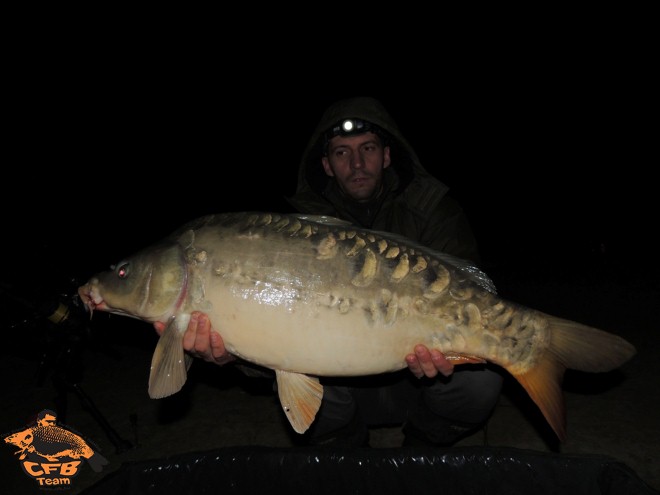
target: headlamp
353 127
349 127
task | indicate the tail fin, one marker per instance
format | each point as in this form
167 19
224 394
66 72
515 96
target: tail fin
574 346
584 348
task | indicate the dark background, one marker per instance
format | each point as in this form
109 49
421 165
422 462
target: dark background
547 135
550 152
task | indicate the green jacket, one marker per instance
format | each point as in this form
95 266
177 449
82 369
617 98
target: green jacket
414 203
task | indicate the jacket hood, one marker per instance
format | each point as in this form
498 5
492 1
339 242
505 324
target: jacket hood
406 167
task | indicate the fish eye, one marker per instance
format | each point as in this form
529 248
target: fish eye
122 270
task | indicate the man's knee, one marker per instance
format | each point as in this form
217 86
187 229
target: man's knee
470 395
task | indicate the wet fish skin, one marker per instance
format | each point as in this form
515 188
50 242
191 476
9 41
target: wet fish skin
312 296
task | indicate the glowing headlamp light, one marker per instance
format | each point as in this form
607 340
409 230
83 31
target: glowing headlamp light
348 127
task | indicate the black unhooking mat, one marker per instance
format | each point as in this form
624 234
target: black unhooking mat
455 471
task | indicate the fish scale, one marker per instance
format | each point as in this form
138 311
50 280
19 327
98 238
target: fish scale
54 439
314 296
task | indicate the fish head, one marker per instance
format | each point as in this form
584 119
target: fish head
150 285
21 439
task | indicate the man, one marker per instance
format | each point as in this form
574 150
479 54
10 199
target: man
359 167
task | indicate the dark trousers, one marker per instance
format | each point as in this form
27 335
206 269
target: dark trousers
439 411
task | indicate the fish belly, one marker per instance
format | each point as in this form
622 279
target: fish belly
314 338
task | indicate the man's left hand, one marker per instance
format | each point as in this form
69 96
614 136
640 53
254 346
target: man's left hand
425 362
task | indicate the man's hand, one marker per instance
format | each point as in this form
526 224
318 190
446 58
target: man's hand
428 363
201 341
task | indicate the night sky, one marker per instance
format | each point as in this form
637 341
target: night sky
552 167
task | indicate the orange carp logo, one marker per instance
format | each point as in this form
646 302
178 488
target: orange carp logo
53 455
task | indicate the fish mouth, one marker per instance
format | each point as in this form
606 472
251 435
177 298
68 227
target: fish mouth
92 299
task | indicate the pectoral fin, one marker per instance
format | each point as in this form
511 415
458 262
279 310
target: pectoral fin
456 358
169 364
300 397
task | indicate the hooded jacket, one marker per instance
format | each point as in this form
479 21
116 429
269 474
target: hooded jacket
413 202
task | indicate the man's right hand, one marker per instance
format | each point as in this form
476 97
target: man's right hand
201 341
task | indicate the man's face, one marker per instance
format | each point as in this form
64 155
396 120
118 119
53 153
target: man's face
357 163
47 420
